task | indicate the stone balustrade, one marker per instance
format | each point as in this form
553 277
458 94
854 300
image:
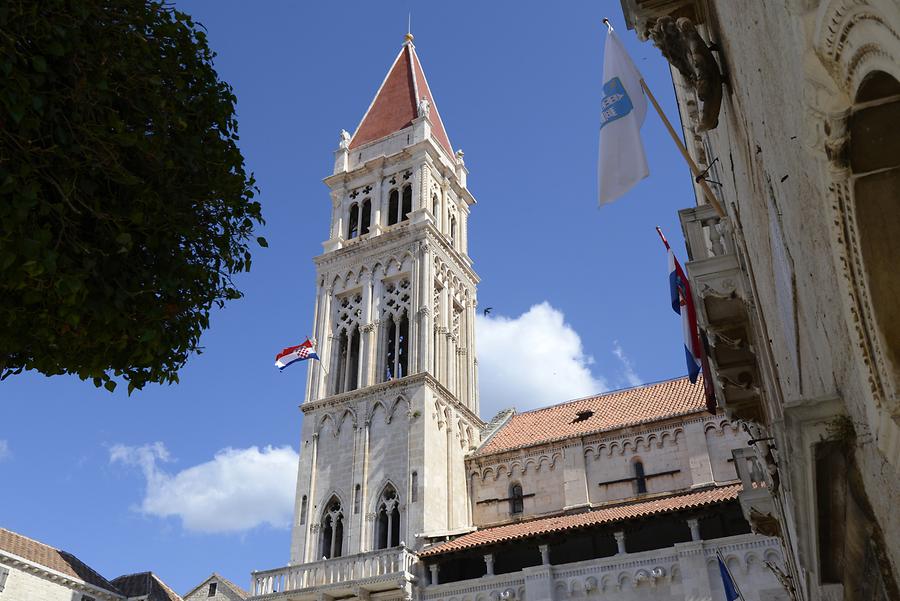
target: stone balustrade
705 233
686 570
385 564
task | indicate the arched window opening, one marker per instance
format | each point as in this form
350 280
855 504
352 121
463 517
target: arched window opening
356 495
874 155
436 209
396 347
393 207
516 499
303 510
388 520
407 203
452 229
353 222
414 487
332 529
640 480
347 376
366 217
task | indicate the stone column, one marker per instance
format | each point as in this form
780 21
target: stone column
545 554
311 503
325 342
434 573
620 542
375 226
364 489
694 525
367 335
489 564
425 312
415 302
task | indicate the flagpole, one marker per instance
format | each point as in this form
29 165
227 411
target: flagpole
707 191
730 575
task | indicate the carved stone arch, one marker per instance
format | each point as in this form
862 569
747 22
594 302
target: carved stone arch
383 485
529 463
561 590
520 594
675 573
516 465
353 421
378 403
751 559
325 499
488 471
602 449
606 582
652 439
321 425
474 474
590 451
349 280
502 469
401 399
554 459
676 434
712 426
615 447
664 439
773 557
378 270
624 580
576 588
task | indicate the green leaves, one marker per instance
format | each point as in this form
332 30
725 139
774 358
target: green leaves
125 206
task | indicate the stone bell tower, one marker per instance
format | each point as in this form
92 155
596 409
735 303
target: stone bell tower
392 407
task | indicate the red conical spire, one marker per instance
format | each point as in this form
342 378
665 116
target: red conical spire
396 102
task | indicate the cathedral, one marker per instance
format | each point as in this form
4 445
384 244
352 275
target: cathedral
404 492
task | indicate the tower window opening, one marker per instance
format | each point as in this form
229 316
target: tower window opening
365 217
387 524
436 209
353 222
414 487
407 202
303 505
516 500
396 347
640 479
356 495
332 529
452 229
393 207
347 375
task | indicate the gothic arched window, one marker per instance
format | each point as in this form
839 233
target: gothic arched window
396 347
452 230
393 207
347 376
407 203
639 479
516 499
365 217
332 529
387 522
353 222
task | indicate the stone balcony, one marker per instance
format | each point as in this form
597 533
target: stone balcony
684 571
355 575
723 311
757 503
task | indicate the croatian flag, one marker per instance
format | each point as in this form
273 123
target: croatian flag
292 354
622 161
683 304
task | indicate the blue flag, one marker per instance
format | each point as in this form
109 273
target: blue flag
731 593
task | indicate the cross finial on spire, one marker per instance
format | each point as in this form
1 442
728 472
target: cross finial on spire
409 35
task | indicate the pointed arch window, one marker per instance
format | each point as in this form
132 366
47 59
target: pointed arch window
365 217
396 347
347 375
640 480
407 203
516 499
332 529
387 522
353 222
393 206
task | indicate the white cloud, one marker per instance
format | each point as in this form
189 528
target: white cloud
627 366
4 450
533 360
237 490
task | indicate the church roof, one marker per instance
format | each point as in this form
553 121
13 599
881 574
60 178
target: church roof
396 102
607 515
146 585
608 411
54 559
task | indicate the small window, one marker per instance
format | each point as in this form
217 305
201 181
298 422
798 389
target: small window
407 203
356 495
212 589
516 499
582 416
353 225
303 510
639 478
366 217
414 488
393 206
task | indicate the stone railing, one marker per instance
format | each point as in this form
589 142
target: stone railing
397 560
670 570
706 233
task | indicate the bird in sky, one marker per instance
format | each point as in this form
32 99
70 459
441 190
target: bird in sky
487 310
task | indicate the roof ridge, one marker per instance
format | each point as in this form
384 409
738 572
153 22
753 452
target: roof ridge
603 394
34 540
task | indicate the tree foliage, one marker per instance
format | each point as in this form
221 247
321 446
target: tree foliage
125 208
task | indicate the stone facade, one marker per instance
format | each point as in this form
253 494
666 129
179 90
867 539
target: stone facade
797 283
37 585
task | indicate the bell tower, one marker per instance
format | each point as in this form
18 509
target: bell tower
392 408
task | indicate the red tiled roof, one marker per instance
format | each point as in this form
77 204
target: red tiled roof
396 103
145 584
57 560
612 410
520 530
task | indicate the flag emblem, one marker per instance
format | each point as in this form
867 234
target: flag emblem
293 354
616 103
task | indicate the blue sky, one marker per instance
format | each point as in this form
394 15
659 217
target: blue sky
188 479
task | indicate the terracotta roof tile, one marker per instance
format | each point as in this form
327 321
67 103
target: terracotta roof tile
145 584
528 529
396 103
47 556
608 411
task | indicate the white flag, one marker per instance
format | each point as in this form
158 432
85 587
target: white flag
622 161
